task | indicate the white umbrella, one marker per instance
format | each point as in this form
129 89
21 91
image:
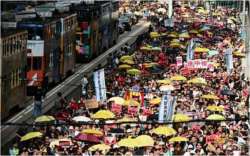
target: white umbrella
81 119
167 88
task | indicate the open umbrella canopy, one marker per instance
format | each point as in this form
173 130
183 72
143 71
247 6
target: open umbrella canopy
175 45
184 35
155 101
81 119
239 54
126 57
215 108
103 114
117 100
212 53
146 48
144 141
181 118
164 81
205 28
178 139
210 96
56 142
134 72
31 135
156 49
193 31
99 147
128 142
215 117
154 34
126 119
178 78
167 88
201 50
124 66
131 102
164 130
197 80
129 62
44 118
92 131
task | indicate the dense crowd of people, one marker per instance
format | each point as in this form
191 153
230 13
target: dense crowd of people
138 78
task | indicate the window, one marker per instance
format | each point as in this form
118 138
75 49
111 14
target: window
37 63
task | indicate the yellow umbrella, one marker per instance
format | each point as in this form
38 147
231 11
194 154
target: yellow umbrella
163 34
128 142
175 41
210 96
131 103
193 31
126 119
155 101
144 141
178 78
167 88
198 80
134 72
201 50
178 139
175 45
215 108
124 66
156 49
215 117
154 34
44 118
181 118
184 35
146 48
164 130
99 147
117 100
199 35
126 57
31 135
164 81
103 114
239 54
129 62
147 65
92 131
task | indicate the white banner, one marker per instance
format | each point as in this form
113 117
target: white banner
100 87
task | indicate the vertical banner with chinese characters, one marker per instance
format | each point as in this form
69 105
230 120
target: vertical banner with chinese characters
229 59
100 87
164 101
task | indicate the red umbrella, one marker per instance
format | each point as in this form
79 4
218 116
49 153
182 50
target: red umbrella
88 137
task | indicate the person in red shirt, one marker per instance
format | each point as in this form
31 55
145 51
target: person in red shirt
162 59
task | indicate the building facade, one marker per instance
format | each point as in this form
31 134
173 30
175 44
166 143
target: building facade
13 69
